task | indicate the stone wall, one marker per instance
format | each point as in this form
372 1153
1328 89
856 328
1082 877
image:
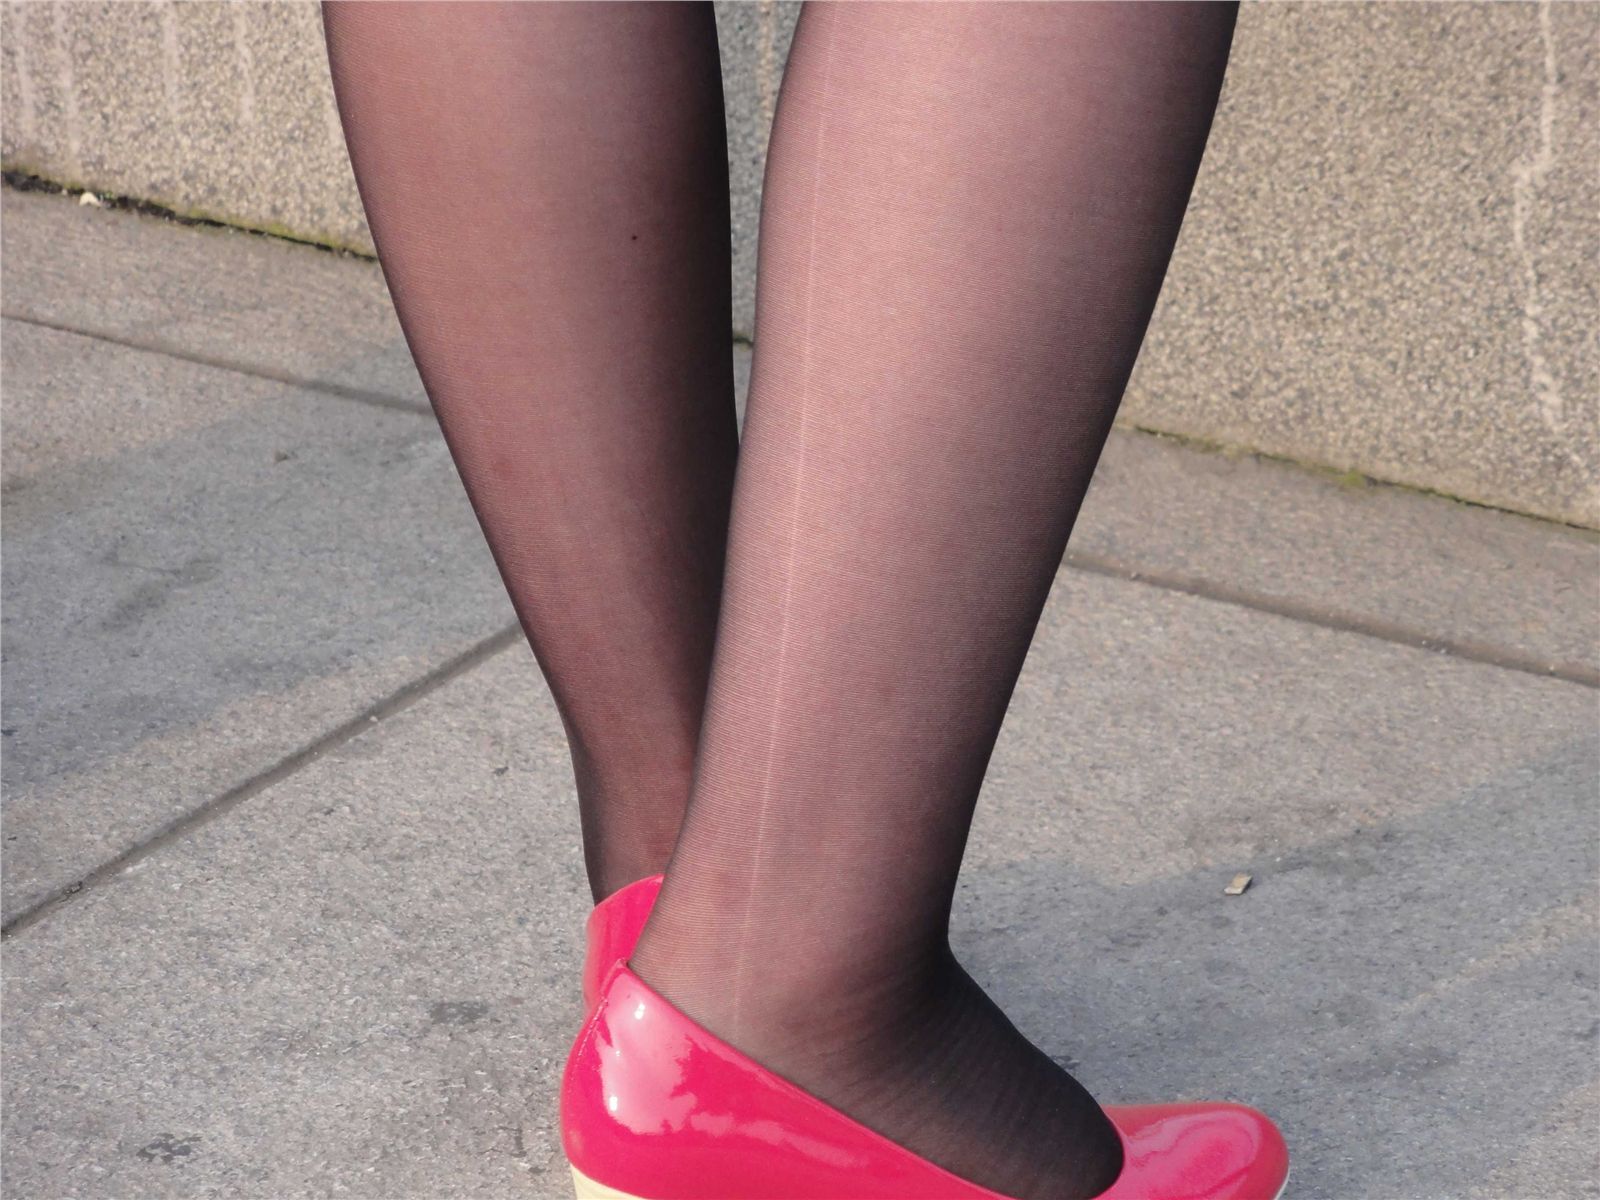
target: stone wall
1389 266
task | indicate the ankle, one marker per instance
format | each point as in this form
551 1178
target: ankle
615 871
630 818
787 999
929 1062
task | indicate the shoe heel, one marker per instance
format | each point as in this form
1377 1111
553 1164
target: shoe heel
588 1189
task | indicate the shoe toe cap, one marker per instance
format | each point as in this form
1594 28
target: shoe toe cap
1199 1152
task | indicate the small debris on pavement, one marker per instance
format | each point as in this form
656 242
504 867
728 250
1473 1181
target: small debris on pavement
90 198
1237 887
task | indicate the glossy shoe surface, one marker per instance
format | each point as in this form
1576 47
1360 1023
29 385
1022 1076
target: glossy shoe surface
653 1107
613 930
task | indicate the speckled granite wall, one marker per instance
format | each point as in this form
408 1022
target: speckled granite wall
1389 265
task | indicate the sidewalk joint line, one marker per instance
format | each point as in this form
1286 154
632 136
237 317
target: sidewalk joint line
22 179
1091 564
1329 473
166 350
206 812
1312 614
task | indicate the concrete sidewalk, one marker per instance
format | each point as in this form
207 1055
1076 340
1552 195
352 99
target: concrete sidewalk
291 870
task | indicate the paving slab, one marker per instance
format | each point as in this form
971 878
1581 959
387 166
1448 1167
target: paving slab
260 310
363 987
1378 555
223 296
1342 550
363 982
204 572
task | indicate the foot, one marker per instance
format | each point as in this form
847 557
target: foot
937 1069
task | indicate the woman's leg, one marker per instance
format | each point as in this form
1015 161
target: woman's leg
968 213
547 186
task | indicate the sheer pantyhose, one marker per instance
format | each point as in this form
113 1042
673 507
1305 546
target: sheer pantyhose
547 185
968 213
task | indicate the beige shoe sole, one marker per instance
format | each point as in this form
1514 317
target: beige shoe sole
588 1189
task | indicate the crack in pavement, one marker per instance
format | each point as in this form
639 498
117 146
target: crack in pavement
322 386
181 826
1198 586
1312 614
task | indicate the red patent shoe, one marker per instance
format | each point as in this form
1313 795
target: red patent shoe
653 1107
613 930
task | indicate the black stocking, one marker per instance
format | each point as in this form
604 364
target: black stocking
547 185
968 214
